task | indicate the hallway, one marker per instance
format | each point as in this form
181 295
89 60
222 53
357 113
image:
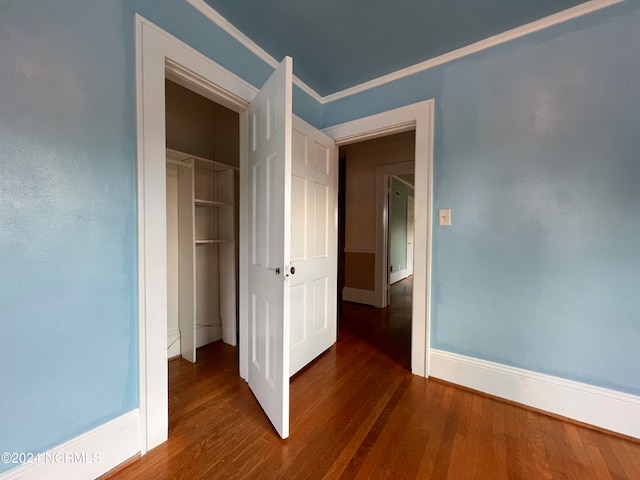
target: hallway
387 330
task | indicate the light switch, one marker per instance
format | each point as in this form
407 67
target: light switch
444 215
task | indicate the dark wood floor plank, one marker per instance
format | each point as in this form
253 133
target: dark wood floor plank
630 464
357 412
558 450
580 454
437 421
537 452
445 447
352 452
514 438
376 439
459 450
479 444
410 433
499 465
602 455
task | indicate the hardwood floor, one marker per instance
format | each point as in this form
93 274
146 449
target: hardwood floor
357 412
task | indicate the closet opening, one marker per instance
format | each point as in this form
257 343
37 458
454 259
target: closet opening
202 175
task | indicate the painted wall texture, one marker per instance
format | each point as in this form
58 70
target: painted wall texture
398 224
537 153
67 222
68 280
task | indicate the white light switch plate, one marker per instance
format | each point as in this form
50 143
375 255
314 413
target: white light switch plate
444 214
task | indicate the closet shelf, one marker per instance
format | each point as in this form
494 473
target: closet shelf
207 242
210 203
184 158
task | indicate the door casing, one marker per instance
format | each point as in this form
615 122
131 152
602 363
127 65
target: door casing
419 117
383 176
160 55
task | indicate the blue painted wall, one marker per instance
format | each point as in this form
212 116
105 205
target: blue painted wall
68 286
537 153
67 222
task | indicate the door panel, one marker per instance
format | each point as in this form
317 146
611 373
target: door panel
410 240
270 126
314 198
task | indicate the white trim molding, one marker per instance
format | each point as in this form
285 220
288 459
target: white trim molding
89 455
518 32
209 12
601 407
160 55
383 174
399 275
173 343
551 20
419 117
403 181
358 295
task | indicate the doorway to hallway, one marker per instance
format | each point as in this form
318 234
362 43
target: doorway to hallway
387 330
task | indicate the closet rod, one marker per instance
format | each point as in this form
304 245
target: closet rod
179 163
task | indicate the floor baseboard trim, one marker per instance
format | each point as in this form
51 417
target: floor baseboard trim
601 407
399 275
358 295
87 456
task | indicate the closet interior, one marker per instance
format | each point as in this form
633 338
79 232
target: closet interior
202 158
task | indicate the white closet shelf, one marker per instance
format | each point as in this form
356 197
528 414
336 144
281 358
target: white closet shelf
206 242
183 159
210 203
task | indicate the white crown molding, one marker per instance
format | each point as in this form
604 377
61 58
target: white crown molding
518 32
89 455
209 12
602 407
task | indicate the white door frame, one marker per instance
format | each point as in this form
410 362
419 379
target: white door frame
160 55
383 174
418 117
410 200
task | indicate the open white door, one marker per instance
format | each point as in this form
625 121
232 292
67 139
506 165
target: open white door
270 127
314 243
410 233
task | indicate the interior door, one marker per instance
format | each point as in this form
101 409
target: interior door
314 240
410 224
270 130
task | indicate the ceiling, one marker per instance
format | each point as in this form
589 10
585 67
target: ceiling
337 44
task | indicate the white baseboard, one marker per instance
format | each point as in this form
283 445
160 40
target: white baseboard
358 296
87 456
173 343
601 407
399 275
206 334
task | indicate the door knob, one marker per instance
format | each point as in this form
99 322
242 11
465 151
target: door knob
274 269
292 270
